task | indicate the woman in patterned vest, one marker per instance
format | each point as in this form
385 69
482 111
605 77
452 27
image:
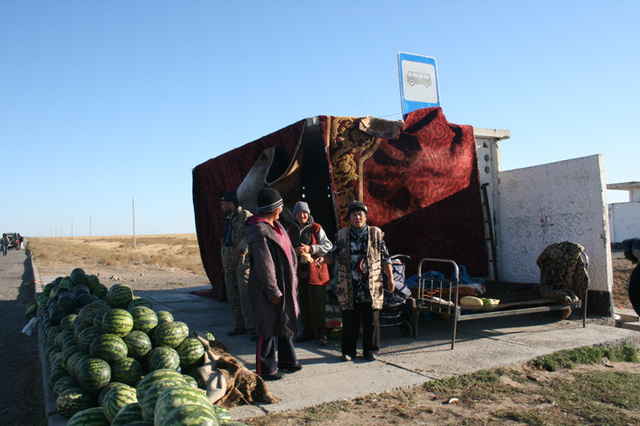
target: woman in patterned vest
310 240
361 255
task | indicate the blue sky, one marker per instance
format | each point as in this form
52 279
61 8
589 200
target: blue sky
105 102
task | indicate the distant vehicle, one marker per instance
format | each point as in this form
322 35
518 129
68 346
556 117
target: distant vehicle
15 240
418 78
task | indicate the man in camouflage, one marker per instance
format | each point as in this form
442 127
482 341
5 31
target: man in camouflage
236 265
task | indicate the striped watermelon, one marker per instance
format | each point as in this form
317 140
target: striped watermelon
191 353
139 301
222 414
120 295
154 377
126 370
87 336
163 357
73 401
73 361
117 321
144 319
116 398
108 347
107 388
138 343
55 376
89 312
93 373
67 322
170 334
101 291
164 316
176 397
68 353
64 384
148 403
90 417
189 415
128 414
190 380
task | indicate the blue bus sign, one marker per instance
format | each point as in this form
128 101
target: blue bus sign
418 82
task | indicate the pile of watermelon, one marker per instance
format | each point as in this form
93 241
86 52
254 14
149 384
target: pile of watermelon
116 361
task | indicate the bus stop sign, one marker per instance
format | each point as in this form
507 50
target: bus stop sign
418 82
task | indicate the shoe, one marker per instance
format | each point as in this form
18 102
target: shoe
291 368
253 335
322 341
345 358
370 357
270 377
236 332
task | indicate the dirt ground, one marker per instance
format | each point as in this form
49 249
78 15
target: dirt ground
21 390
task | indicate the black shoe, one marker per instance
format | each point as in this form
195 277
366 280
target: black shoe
270 377
236 332
322 341
370 357
291 368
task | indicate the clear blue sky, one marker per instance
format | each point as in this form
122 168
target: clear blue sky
105 102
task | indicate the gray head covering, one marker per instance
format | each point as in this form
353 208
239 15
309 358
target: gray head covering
301 206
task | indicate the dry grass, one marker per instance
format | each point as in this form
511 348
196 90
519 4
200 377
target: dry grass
175 251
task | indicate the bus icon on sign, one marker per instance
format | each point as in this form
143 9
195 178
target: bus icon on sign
419 78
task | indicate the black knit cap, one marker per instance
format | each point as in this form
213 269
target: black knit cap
231 196
268 200
357 205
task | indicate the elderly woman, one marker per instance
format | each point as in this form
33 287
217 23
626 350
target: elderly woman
361 255
273 287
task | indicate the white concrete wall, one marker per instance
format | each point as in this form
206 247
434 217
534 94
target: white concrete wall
624 221
550 203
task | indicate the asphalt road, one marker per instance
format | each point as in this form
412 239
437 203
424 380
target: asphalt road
21 396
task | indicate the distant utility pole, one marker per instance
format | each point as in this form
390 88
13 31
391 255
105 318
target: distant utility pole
89 227
133 206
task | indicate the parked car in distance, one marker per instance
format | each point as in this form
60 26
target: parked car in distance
15 240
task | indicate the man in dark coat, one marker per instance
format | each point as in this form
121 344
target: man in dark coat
273 287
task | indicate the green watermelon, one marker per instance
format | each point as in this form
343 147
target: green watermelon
63 384
222 414
139 301
170 334
87 336
108 347
93 373
55 376
128 414
46 290
73 361
153 377
89 417
116 398
144 319
138 343
120 295
92 282
189 415
117 321
126 370
191 353
101 291
89 312
164 316
107 388
177 396
73 401
163 357
148 403
67 322
190 380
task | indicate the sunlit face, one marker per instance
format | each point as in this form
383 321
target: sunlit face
227 207
358 218
302 217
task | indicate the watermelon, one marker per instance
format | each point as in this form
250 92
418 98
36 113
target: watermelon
138 343
67 322
209 335
190 380
78 277
139 301
189 415
68 353
66 302
107 388
154 377
164 316
108 347
148 403
56 365
117 321
88 312
46 290
73 401
116 398
120 295
80 289
63 384
83 299
55 376
144 319
89 417
51 353
126 370
73 361
92 282
191 352
101 291
170 334
93 373
176 397
222 414
128 414
163 357
65 283
87 336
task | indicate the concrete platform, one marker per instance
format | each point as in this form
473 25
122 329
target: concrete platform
403 361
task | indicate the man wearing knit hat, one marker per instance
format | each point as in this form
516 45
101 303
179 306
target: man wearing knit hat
273 287
236 266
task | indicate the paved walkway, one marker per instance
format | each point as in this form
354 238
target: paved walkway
403 361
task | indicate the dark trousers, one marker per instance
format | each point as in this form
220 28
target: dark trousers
266 362
370 318
312 300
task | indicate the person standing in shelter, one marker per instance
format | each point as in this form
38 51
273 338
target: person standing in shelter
310 240
273 287
236 266
362 255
